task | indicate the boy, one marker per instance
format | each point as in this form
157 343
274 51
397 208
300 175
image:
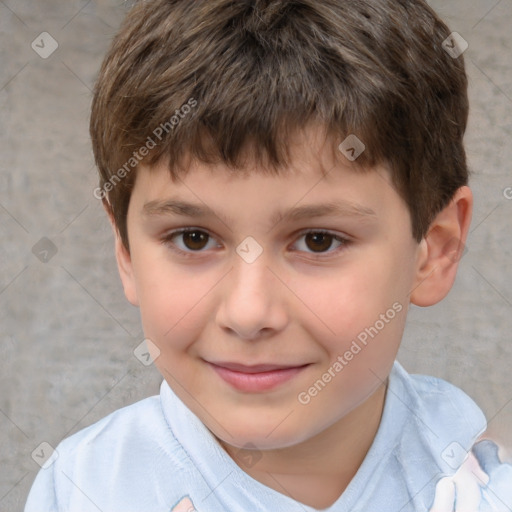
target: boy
234 139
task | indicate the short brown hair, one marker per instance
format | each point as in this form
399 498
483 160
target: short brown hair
216 75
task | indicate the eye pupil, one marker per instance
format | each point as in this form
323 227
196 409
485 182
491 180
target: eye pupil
324 239
191 238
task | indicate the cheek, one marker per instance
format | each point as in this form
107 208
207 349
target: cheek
355 302
172 302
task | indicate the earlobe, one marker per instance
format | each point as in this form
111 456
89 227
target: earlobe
442 248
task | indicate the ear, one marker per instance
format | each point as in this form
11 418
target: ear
442 248
124 261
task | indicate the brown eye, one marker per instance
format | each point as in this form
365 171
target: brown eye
195 240
319 242
189 241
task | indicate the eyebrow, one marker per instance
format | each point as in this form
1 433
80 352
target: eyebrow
337 209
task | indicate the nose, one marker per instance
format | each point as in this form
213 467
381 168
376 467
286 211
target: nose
253 303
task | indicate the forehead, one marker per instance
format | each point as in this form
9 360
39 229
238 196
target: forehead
295 195
318 180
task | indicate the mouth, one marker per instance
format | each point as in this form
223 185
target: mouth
255 378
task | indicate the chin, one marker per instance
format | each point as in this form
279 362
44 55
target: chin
266 436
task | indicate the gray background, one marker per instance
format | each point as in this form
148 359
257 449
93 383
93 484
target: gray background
67 333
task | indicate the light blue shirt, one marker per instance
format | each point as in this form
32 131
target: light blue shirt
156 455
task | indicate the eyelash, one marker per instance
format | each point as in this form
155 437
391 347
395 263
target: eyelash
167 241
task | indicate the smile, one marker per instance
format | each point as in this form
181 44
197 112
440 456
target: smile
255 378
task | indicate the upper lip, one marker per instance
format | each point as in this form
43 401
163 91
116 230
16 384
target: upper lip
257 368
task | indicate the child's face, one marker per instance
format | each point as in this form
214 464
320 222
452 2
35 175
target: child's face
301 303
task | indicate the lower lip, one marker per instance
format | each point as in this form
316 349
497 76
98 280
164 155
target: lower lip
255 382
